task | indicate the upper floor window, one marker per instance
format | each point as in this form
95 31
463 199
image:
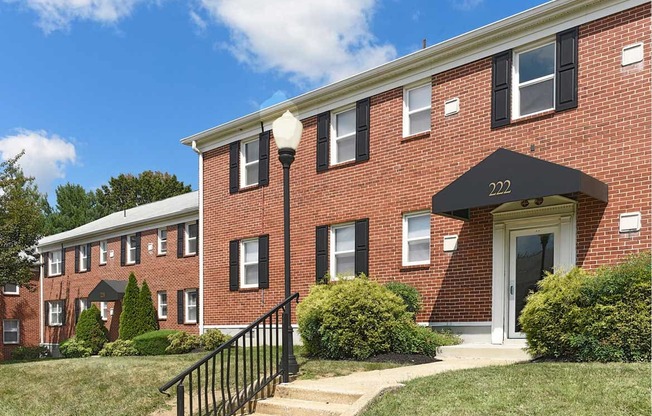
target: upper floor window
249 160
11 331
249 263
343 136
131 249
10 289
342 250
534 80
416 110
162 241
191 238
191 306
103 251
416 238
55 263
83 258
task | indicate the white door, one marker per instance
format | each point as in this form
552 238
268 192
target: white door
532 253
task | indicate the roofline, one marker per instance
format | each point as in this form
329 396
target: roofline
435 58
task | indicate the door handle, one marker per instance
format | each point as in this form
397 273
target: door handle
511 290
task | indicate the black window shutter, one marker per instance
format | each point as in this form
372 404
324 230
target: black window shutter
234 266
362 247
263 159
362 115
234 162
138 247
566 94
77 311
501 81
89 256
46 264
321 252
180 317
123 250
46 308
180 232
76 259
63 312
63 261
263 261
323 134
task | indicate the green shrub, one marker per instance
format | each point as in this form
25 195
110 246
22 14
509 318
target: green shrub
182 343
600 316
119 348
91 330
25 353
212 339
74 348
147 319
409 294
129 326
154 342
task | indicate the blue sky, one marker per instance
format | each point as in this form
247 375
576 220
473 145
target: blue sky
94 88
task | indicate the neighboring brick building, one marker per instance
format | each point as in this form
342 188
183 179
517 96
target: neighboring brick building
400 173
158 242
19 312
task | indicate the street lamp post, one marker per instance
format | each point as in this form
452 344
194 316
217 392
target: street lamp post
287 133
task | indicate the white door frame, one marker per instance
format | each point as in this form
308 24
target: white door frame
555 211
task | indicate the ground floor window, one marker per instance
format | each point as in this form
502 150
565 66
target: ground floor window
104 310
191 306
10 331
55 312
162 305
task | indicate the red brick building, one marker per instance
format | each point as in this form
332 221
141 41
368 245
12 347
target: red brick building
465 169
90 264
19 309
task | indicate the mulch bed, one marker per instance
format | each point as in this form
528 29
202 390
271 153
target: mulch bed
403 359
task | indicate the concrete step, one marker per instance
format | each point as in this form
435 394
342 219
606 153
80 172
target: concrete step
485 351
321 395
292 407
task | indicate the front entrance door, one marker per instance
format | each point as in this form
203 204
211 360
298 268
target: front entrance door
532 253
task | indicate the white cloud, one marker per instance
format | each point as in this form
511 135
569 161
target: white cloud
45 158
58 14
312 41
465 5
198 21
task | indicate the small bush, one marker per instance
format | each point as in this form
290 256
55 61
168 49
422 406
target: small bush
409 294
147 318
154 342
182 343
212 339
119 348
91 330
600 316
74 348
25 353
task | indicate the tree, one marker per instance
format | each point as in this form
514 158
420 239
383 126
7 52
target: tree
21 224
90 329
147 318
129 315
74 207
128 191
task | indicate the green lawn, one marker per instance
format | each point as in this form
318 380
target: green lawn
526 389
117 385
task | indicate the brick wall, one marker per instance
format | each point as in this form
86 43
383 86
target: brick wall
162 273
607 136
25 308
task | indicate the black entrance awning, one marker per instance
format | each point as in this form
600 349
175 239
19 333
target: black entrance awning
507 176
108 291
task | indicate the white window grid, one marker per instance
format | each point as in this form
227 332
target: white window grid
103 252
162 241
408 111
407 240
247 164
11 330
162 305
104 310
335 254
191 239
191 306
244 264
83 258
11 289
54 262
517 85
55 317
83 305
336 140
131 249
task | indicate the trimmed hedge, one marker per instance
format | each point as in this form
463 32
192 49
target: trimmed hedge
154 342
599 316
408 293
129 325
74 348
212 339
119 348
182 343
26 353
91 330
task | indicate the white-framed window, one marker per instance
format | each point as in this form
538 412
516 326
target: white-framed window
10 331
54 263
83 304
131 249
343 136
10 289
83 258
416 109
249 263
534 79
104 310
342 250
162 304
162 241
191 306
416 238
103 251
55 313
249 159
191 238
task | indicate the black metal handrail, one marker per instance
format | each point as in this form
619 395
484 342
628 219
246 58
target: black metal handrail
234 374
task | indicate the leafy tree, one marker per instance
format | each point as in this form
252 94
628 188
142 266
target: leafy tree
128 191
21 223
75 207
147 318
91 330
129 315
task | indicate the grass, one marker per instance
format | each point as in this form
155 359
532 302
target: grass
116 385
526 389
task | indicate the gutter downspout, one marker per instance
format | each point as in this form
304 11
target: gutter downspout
201 236
41 323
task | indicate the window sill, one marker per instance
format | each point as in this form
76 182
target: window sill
417 136
162 254
10 294
414 267
343 165
190 255
55 325
102 264
249 289
190 323
163 318
249 188
11 343
531 117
